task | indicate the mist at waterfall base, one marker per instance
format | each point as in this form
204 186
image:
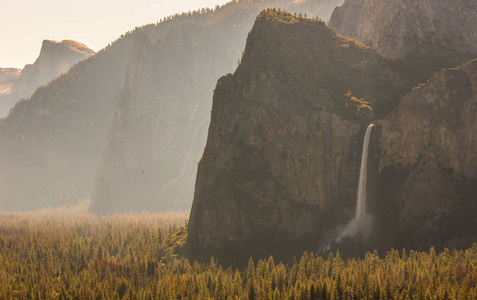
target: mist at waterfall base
361 224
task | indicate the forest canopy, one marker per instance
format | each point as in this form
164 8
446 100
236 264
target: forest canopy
66 254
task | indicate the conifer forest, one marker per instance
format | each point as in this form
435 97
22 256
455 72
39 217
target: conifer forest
65 254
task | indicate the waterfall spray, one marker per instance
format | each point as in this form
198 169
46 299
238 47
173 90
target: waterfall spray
360 221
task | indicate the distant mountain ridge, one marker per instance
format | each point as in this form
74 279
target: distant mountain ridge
56 58
127 126
7 75
7 78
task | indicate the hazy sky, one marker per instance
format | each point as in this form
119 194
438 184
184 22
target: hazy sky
24 24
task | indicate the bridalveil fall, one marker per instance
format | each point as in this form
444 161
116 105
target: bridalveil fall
361 220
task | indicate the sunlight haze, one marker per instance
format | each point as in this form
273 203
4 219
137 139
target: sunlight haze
24 24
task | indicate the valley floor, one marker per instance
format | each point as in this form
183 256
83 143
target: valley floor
68 254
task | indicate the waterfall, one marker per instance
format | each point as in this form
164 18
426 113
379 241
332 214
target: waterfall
361 202
361 221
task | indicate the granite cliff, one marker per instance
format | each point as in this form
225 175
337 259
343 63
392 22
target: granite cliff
55 58
279 172
397 29
422 36
422 172
281 161
425 176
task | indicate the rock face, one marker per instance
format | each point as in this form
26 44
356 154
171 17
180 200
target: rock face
55 58
397 29
160 124
427 163
421 37
127 126
435 124
282 157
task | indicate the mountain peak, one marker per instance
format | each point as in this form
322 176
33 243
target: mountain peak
68 44
56 58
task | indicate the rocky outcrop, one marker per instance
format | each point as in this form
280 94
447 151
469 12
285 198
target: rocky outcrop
282 158
55 58
427 163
